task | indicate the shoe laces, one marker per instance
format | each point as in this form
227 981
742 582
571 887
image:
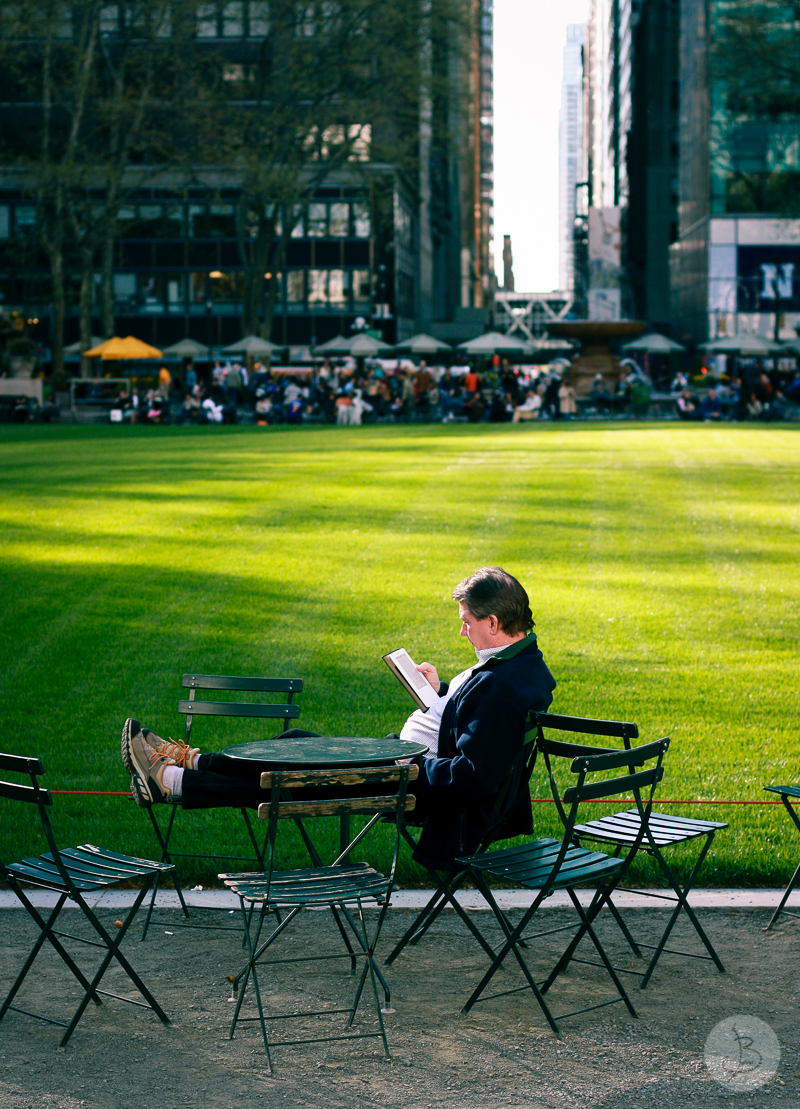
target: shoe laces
173 752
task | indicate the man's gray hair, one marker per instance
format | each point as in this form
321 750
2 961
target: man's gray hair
491 591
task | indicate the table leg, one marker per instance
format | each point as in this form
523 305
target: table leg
344 834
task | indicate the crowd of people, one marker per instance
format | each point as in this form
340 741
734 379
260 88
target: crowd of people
388 391
378 392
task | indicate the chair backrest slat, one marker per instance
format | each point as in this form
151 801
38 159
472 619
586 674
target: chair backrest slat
597 760
614 786
21 764
252 685
337 807
25 793
570 750
588 726
298 779
238 708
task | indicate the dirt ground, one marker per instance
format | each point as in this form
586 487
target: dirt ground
501 1054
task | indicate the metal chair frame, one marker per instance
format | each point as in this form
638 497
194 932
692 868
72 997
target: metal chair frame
785 793
193 708
71 875
336 886
548 865
447 883
621 829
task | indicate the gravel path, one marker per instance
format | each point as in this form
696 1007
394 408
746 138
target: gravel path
500 1055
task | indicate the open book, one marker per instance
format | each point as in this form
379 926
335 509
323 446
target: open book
419 688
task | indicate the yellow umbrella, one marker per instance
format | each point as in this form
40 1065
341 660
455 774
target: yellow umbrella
117 348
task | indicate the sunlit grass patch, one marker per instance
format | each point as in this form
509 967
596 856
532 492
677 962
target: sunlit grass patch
661 563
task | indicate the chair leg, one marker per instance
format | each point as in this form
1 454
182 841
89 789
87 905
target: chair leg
511 944
374 973
682 903
45 933
784 899
790 809
587 926
165 858
113 952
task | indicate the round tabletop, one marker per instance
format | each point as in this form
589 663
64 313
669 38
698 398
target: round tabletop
327 751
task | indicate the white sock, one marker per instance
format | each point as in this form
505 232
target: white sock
173 780
195 761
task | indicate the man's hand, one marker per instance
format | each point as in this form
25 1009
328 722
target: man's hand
429 673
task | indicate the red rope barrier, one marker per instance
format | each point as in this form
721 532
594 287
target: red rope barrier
535 800
94 792
631 801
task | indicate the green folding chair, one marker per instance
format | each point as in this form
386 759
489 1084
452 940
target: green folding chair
72 875
448 883
546 865
621 830
787 794
192 708
344 887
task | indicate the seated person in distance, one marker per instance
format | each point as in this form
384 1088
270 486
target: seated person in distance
475 732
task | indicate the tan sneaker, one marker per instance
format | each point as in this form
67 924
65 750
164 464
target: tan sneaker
145 766
175 752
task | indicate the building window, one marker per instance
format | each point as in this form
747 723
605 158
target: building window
149 224
175 293
361 220
109 19
222 221
337 288
305 20
151 297
197 288
5 222
295 289
361 288
317 221
258 22
173 223
207 21
198 221
298 230
233 19
24 221
317 287
125 290
339 220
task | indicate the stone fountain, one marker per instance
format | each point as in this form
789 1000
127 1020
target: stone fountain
595 337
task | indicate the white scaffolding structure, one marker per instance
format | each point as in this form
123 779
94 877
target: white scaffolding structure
527 315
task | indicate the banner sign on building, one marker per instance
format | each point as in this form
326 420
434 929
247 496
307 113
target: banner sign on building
768 278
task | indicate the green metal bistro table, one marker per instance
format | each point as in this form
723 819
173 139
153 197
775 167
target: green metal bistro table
326 753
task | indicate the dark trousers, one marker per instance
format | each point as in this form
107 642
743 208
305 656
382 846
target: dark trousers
223 782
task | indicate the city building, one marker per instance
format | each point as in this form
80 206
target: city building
374 242
571 155
735 264
652 160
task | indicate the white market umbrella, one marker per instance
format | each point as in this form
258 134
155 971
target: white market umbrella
422 344
653 343
187 348
359 346
75 348
494 343
253 345
750 346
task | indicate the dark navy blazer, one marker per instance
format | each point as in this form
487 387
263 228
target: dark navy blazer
475 778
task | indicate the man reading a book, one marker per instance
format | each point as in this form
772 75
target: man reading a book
471 779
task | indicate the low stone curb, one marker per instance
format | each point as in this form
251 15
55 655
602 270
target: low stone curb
416 899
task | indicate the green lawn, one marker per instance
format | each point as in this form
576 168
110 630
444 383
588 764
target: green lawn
661 561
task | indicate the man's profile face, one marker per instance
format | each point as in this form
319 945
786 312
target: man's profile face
480 633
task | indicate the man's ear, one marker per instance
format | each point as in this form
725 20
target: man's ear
494 625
